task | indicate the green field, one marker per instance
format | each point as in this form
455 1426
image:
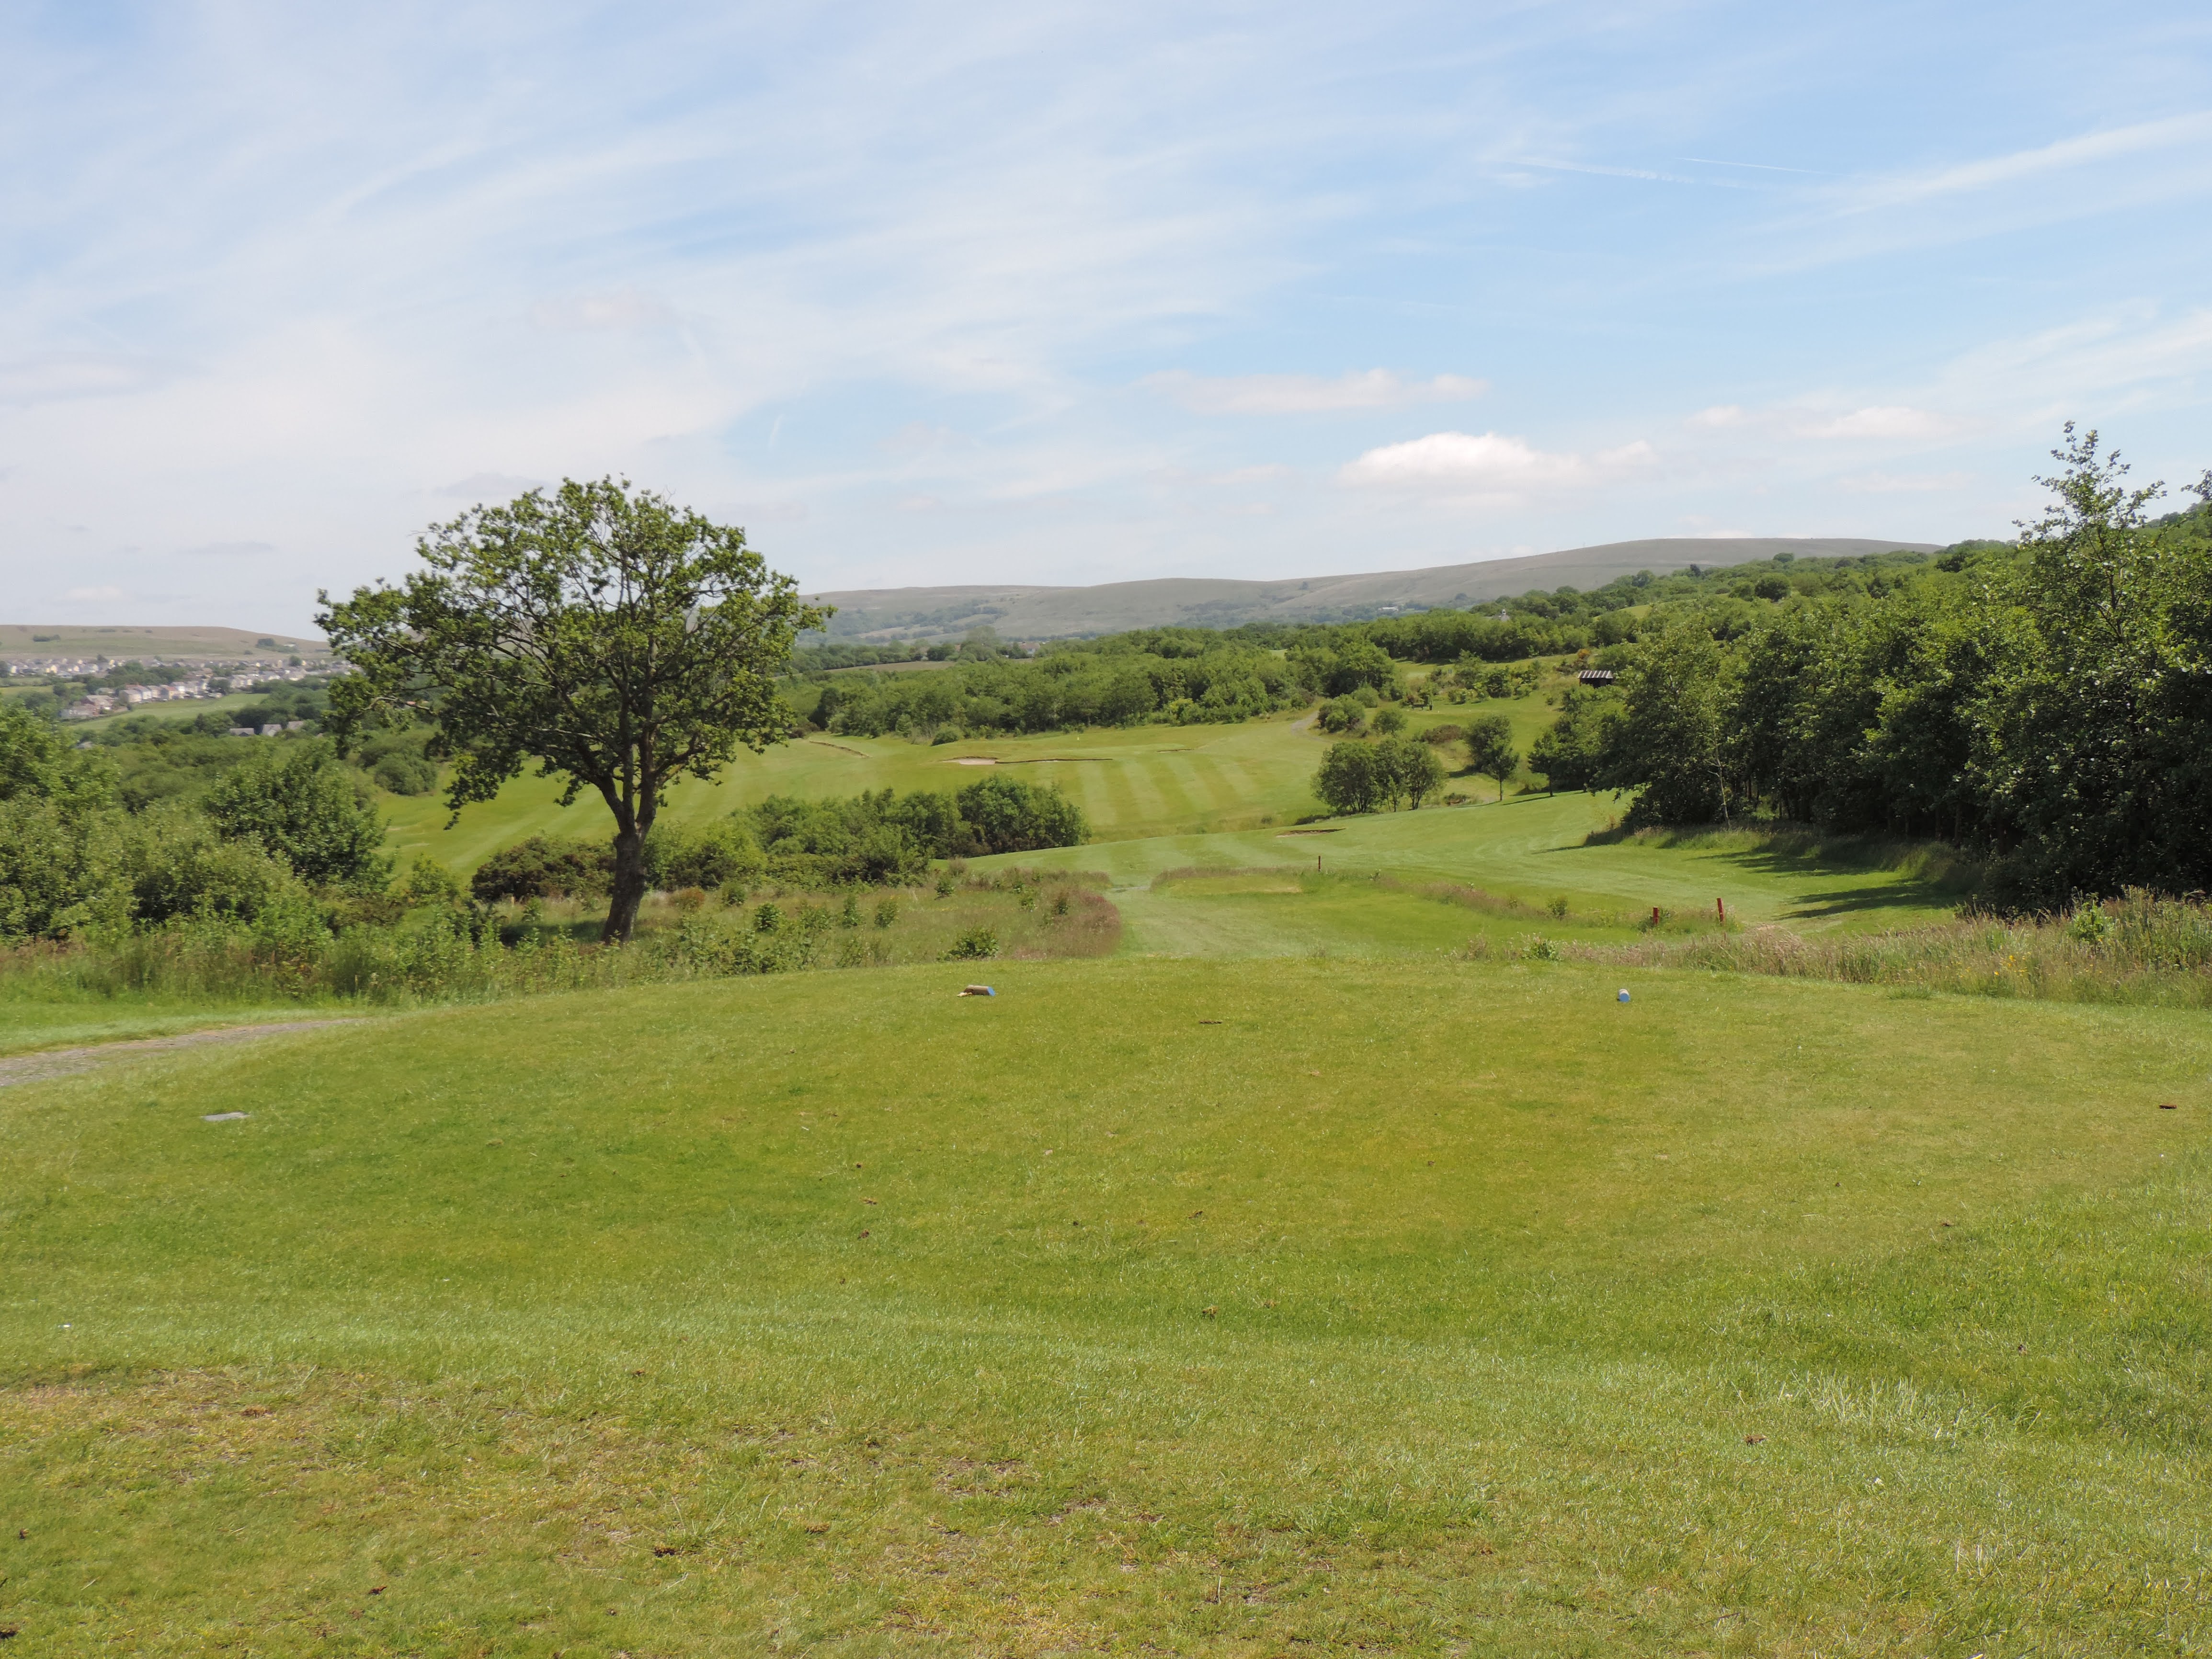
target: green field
1161 798
1205 1307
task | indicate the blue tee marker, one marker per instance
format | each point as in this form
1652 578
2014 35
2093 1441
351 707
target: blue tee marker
1624 996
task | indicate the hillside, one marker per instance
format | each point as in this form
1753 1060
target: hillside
1039 613
18 642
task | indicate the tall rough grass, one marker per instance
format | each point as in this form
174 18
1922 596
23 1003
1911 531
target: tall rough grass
461 955
2139 948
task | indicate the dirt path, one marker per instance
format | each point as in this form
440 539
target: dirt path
60 1062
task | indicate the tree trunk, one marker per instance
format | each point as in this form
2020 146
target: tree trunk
628 888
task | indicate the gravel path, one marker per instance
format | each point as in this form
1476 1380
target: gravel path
60 1062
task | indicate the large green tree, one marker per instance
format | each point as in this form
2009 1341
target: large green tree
616 641
2093 732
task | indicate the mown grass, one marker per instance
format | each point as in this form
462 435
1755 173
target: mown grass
1530 853
1243 1307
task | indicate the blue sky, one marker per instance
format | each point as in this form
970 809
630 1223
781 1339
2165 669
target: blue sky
1074 293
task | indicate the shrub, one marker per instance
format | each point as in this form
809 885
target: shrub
542 867
1009 816
1345 714
711 855
52 883
974 946
174 864
306 810
403 774
428 883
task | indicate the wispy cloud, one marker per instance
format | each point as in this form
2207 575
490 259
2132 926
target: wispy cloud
1311 394
1603 172
2192 131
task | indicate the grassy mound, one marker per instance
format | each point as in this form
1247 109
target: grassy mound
1223 1306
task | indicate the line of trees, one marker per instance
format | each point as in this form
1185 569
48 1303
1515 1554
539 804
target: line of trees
2046 704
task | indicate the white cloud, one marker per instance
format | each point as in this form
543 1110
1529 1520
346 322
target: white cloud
1491 463
95 593
1719 418
1309 394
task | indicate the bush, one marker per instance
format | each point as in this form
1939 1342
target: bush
306 810
1345 714
1009 816
403 774
174 865
975 945
712 855
50 884
542 867
1388 722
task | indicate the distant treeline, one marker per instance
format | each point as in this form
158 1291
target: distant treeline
1184 676
2047 705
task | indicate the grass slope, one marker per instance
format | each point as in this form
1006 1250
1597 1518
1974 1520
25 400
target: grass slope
1427 1309
1140 780
120 644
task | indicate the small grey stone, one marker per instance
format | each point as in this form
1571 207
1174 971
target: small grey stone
224 1117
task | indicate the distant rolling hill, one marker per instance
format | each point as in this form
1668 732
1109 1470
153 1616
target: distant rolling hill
121 644
1044 613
